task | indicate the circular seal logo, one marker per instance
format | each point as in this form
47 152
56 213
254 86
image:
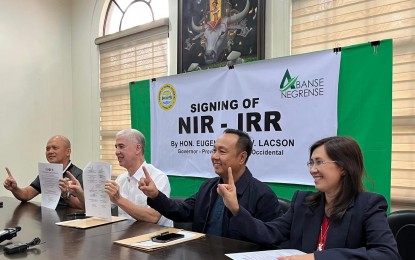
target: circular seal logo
167 97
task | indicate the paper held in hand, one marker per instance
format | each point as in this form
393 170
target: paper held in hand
97 201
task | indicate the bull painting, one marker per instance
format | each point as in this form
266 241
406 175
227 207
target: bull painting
212 29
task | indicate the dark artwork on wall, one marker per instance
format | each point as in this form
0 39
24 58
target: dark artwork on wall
215 33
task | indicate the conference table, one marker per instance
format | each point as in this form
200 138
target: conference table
59 242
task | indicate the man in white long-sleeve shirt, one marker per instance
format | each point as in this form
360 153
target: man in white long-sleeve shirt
124 191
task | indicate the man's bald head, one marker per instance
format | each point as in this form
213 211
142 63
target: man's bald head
58 150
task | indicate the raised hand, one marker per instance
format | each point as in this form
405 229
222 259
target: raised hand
70 185
228 193
10 183
75 186
64 186
147 186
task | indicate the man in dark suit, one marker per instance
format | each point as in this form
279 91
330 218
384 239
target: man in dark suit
205 209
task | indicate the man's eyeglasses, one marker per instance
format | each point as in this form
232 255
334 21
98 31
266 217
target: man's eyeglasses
318 164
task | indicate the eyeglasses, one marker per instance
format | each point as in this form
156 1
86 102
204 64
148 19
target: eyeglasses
318 164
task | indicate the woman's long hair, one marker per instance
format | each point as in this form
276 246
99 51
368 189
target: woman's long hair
348 156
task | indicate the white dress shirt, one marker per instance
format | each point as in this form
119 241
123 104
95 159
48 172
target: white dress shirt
129 189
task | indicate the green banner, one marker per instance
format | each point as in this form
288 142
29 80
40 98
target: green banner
364 112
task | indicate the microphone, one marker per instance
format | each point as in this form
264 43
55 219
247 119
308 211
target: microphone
9 233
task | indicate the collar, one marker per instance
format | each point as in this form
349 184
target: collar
139 173
243 181
67 167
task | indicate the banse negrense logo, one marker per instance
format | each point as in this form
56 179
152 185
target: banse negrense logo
292 87
290 82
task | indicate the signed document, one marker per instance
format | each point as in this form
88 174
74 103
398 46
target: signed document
97 201
49 175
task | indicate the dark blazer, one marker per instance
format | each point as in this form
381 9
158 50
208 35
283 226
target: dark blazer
257 198
362 233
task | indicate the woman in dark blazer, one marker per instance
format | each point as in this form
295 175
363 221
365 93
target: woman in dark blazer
339 221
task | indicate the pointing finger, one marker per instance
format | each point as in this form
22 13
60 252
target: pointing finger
146 174
8 172
230 177
71 176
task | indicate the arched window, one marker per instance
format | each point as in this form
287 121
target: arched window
124 14
133 48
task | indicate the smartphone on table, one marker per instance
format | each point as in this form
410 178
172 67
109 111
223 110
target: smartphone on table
166 237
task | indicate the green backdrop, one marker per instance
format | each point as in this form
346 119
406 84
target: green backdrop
364 112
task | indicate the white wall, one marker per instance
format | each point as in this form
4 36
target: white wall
49 76
277 28
35 83
87 19
86 15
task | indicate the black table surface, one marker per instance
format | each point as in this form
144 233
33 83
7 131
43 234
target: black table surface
59 242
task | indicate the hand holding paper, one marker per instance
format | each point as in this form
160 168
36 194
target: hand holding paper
147 185
75 186
113 190
64 184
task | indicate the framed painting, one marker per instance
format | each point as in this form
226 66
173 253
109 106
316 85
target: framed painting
215 33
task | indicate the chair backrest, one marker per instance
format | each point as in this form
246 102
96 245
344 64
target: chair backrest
400 218
182 225
405 238
284 204
402 224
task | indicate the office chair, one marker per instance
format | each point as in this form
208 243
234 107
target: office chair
402 224
400 218
405 238
182 225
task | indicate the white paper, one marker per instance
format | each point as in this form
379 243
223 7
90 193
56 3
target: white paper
97 201
49 175
264 255
151 243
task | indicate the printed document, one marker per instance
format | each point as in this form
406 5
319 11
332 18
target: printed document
264 255
97 201
49 175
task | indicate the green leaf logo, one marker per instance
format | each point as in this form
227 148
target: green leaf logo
287 82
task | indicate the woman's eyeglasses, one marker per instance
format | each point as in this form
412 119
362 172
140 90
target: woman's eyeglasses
318 164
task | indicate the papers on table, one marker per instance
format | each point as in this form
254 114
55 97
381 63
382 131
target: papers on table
144 242
49 175
264 255
97 201
89 222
